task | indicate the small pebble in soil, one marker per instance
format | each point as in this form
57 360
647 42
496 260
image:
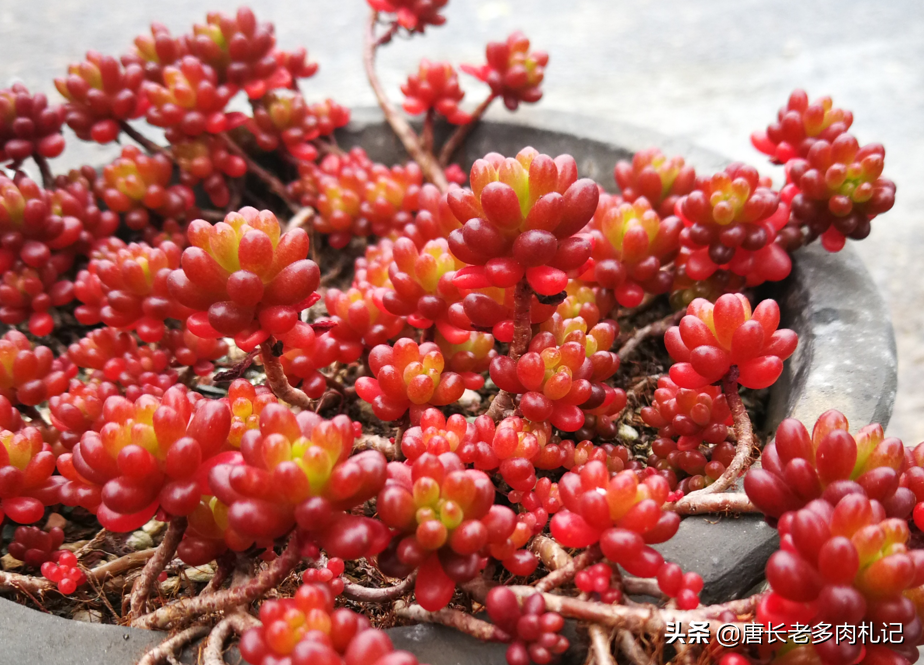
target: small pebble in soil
10 563
628 433
139 540
154 527
470 401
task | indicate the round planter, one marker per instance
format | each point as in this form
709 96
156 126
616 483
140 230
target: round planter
828 297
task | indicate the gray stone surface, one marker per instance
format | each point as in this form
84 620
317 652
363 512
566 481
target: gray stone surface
28 636
729 552
846 353
439 645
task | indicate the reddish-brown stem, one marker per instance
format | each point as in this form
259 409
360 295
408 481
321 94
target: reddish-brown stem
171 647
501 406
600 644
329 397
188 609
744 433
457 138
112 568
427 334
25 583
225 566
277 381
466 623
656 329
102 573
213 652
402 128
567 572
522 334
156 564
636 618
304 217
522 328
48 180
143 140
641 586
270 180
403 423
385 37
554 557
379 595
724 502
551 554
426 137
91 544
630 648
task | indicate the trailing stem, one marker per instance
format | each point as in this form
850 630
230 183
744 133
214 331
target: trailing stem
173 646
552 555
631 648
112 568
522 328
426 137
461 621
142 140
277 381
745 435
214 650
567 572
155 565
304 217
402 128
39 585
226 564
723 502
601 641
656 329
270 180
48 180
403 423
638 618
455 141
641 586
25 583
379 595
188 609
522 333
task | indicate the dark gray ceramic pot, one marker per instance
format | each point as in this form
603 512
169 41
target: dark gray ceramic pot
829 298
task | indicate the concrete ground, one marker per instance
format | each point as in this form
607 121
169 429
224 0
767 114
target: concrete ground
710 72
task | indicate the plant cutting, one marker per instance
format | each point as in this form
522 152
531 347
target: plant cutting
485 408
